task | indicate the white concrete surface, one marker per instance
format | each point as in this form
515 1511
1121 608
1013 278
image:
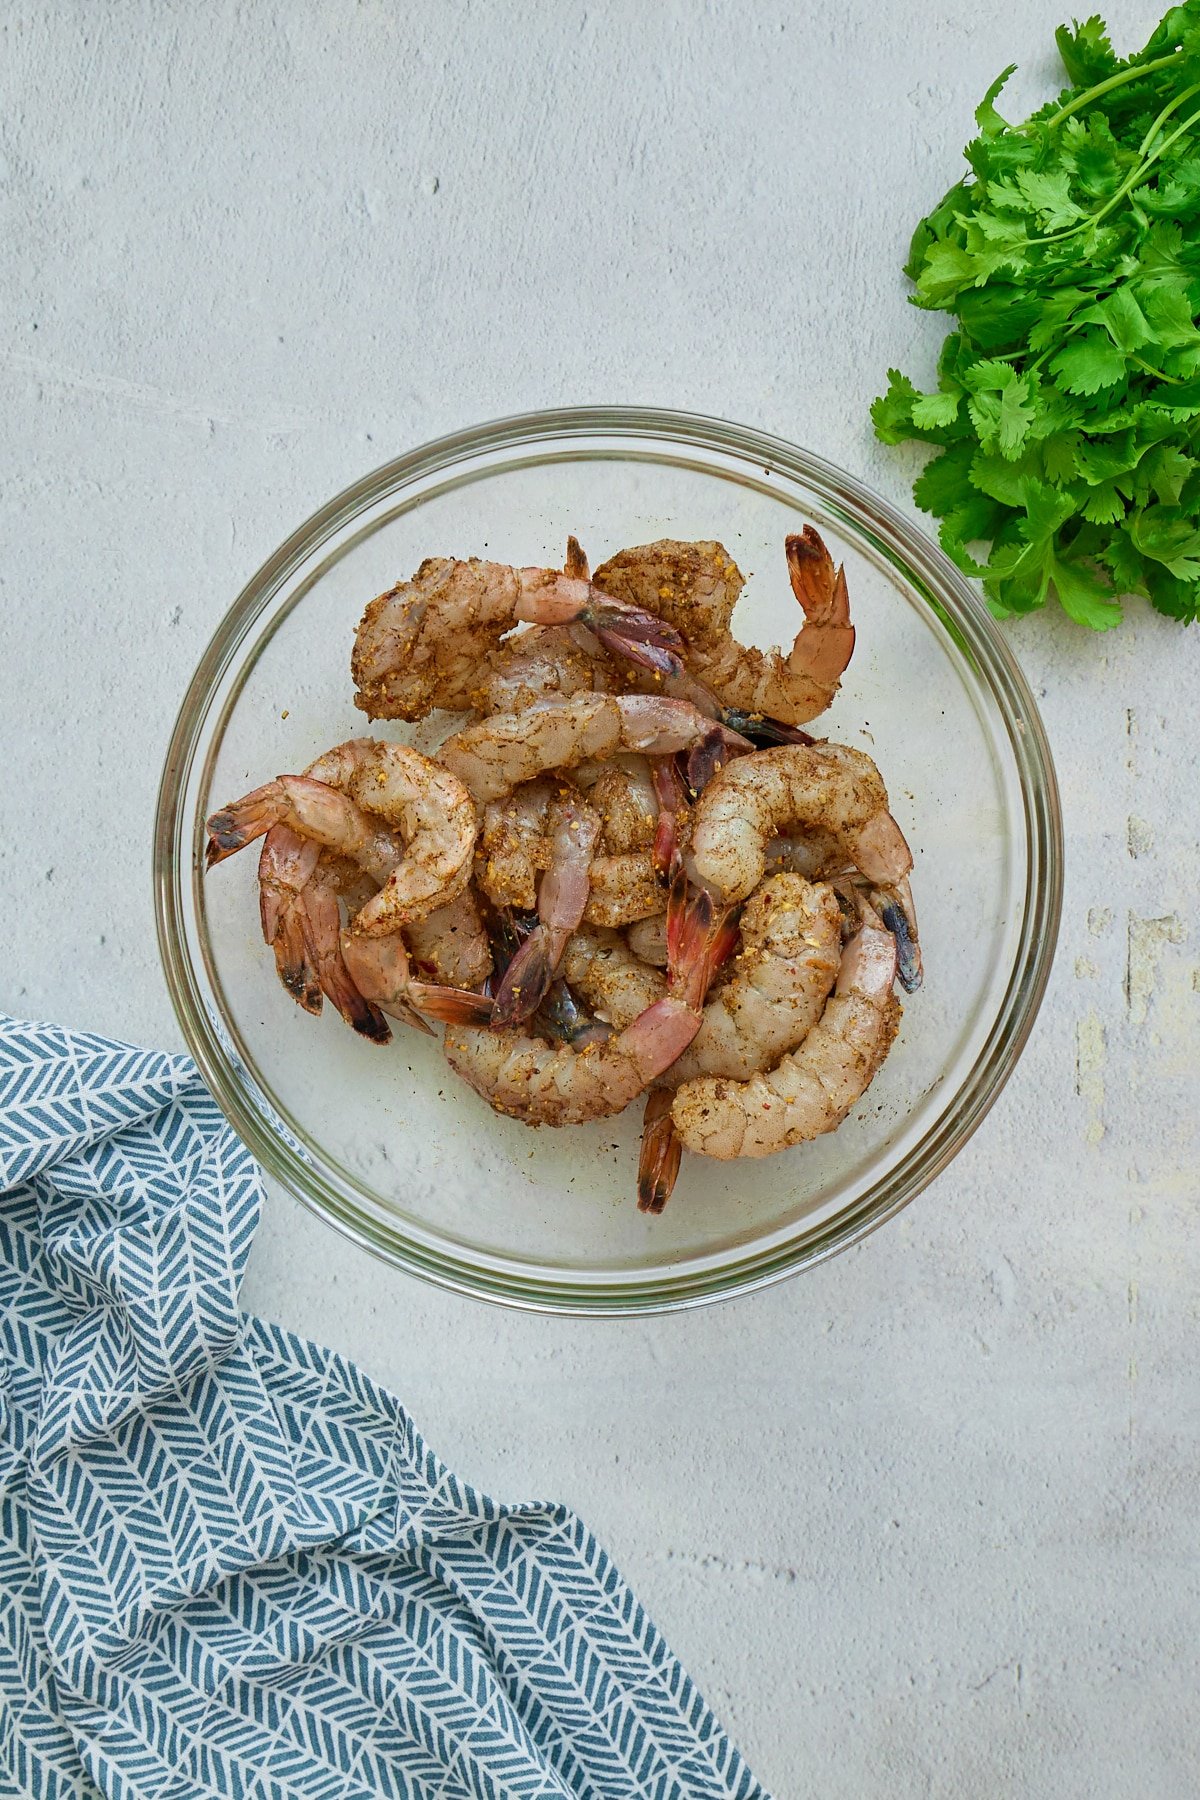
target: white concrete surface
924 1522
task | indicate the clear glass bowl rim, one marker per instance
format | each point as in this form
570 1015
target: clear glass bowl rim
966 619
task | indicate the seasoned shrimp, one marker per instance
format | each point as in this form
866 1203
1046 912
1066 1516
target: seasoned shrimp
545 662
696 586
496 755
823 787
546 1085
403 819
425 642
452 943
811 1090
820 856
624 889
513 846
779 982
572 831
624 795
601 969
645 818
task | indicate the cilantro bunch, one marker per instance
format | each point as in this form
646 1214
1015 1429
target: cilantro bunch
1068 400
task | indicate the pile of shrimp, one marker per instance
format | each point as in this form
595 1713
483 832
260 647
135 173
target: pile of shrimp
628 871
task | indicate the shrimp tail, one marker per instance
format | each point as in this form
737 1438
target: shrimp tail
233 827
668 788
320 924
362 1014
908 950
526 981
700 937
507 928
565 1021
576 563
665 850
709 755
293 962
640 637
452 1006
821 590
817 584
762 730
660 1155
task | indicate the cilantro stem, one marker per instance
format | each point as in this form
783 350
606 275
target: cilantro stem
1104 87
1135 175
1158 374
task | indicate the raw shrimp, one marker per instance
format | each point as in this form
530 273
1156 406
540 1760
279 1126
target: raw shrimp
546 1085
823 787
696 586
818 855
778 983
624 889
513 847
624 795
403 819
572 831
425 642
543 663
496 755
601 969
645 818
811 1090
452 943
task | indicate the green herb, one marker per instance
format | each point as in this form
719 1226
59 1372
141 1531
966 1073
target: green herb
1068 402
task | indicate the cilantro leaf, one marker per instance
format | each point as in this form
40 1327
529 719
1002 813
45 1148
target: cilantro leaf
1088 363
986 117
931 410
1084 594
1086 52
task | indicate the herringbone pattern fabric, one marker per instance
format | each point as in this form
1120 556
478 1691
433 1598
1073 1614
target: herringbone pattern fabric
229 1566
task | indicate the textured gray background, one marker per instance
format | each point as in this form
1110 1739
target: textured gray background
924 1521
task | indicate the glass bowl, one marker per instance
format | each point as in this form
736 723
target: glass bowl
385 1143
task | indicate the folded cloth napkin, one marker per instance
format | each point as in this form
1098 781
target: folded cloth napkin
229 1566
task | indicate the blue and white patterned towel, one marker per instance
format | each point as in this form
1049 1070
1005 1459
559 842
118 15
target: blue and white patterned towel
229 1566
